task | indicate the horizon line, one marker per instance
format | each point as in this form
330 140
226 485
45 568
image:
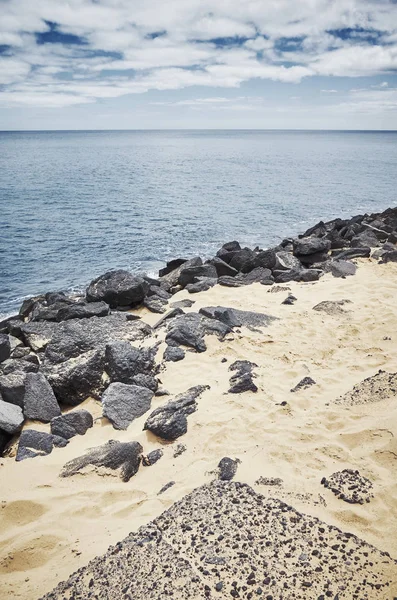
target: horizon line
196 129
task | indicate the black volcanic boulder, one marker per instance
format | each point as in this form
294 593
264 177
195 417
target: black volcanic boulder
222 267
113 455
12 387
364 239
11 417
341 268
173 354
304 247
171 278
286 261
155 304
72 423
233 317
243 260
266 259
172 265
169 422
83 310
5 347
124 362
242 380
39 402
74 380
257 275
124 403
227 468
190 329
192 274
117 288
202 285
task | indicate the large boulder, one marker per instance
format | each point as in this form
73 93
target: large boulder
172 265
75 337
5 347
39 403
243 260
364 239
192 274
305 246
286 261
117 288
227 468
171 278
124 362
83 310
257 275
36 335
352 253
75 380
266 259
114 455
169 422
124 403
11 417
222 267
341 268
29 363
72 423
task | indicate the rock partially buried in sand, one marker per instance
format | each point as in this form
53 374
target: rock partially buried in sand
189 330
234 317
257 543
113 455
242 380
123 403
151 458
173 354
303 384
378 387
76 422
169 422
227 468
166 487
332 307
37 443
350 486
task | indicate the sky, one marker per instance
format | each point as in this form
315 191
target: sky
238 64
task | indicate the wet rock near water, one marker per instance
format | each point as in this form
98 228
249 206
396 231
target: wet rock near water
73 423
348 485
169 422
113 456
118 289
225 540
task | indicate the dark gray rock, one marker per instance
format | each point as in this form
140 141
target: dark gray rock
243 260
155 304
175 312
231 246
180 449
12 387
169 422
284 276
117 288
146 381
390 256
26 364
303 384
72 423
124 362
228 281
285 261
39 403
5 347
112 455
341 268
83 310
222 267
234 317
242 380
204 284
123 403
227 468
171 279
290 299
310 245
189 330
151 458
192 274
187 303
166 487
78 378
36 335
173 354
11 417
37 443
266 259
75 337
257 275
313 259
171 266
308 275
352 253
156 290
364 239
5 438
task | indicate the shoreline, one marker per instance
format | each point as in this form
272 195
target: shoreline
298 437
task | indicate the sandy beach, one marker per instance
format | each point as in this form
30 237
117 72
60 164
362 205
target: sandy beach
51 526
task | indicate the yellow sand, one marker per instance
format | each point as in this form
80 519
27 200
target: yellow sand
49 526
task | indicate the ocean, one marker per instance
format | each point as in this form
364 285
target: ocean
76 204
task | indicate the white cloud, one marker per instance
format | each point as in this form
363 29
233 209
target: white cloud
177 44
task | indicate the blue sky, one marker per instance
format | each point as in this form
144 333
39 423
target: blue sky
115 64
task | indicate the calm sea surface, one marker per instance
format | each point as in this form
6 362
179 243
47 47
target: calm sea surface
75 204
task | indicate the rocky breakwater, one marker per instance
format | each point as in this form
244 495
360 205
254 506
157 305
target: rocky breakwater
59 350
